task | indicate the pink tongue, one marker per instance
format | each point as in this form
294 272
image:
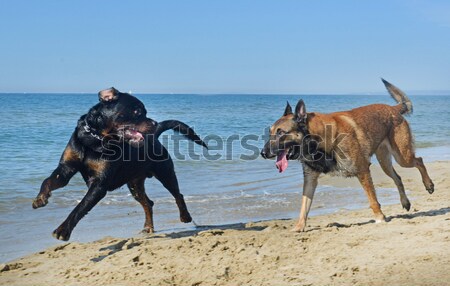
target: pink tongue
136 135
282 162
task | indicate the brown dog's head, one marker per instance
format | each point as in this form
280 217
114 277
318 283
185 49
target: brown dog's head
286 134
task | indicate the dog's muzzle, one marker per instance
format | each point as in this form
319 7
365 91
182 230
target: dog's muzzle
266 152
263 154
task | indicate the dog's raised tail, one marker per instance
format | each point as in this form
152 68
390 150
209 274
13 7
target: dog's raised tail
181 128
399 96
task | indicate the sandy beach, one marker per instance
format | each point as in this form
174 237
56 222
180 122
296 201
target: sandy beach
412 248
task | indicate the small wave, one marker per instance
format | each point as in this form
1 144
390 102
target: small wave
422 144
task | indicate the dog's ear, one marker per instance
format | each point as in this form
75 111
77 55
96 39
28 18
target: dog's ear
108 95
288 109
94 118
300 111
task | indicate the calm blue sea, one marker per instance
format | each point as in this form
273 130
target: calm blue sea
36 127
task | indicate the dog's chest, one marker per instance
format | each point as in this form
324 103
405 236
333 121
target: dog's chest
344 168
332 165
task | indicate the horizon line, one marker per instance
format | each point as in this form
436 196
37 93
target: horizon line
370 93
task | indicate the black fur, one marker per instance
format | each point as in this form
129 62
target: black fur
116 144
316 158
180 127
310 154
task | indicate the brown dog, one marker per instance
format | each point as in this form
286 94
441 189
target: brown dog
341 143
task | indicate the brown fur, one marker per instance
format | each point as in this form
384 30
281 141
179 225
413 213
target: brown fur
362 132
70 155
96 167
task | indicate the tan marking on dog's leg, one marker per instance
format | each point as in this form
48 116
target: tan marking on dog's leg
67 167
306 205
70 155
137 189
309 187
366 181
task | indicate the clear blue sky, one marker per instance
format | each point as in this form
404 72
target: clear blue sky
214 46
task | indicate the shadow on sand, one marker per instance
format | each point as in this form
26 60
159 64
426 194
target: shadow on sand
215 230
438 212
207 230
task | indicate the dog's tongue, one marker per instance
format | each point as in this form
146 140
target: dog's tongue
135 135
282 162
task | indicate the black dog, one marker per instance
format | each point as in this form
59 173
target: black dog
116 144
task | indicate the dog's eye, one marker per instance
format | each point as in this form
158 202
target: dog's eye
137 112
280 132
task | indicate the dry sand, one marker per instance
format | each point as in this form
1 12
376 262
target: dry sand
413 248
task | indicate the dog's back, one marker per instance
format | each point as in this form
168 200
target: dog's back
360 131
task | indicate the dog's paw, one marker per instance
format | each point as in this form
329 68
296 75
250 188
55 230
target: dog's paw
298 228
40 201
406 204
186 217
148 229
380 219
61 233
430 189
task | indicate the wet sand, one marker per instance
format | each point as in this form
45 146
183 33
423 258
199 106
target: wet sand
343 248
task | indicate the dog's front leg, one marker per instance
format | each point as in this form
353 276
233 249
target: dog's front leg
58 179
93 196
310 178
68 166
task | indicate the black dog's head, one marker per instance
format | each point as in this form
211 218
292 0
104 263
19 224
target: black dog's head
286 136
118 116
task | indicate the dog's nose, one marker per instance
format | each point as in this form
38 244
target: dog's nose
263 154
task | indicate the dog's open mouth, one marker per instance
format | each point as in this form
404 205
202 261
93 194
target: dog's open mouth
133 136
282 159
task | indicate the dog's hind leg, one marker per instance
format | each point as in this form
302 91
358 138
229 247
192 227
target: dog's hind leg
365 179
165 173
385 159
68 166
137 189
310 178
401 142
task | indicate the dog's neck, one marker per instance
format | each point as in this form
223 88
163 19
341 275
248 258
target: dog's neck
88 137
312 155
88 130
